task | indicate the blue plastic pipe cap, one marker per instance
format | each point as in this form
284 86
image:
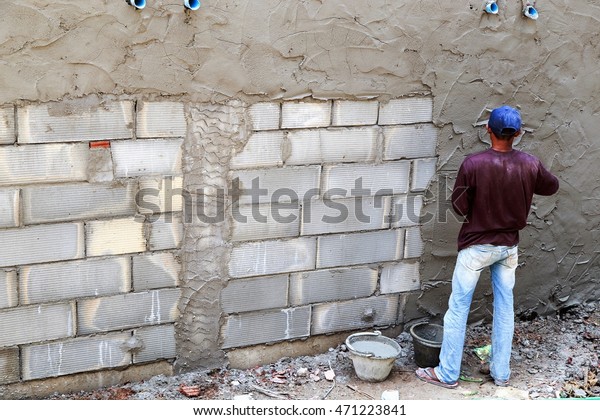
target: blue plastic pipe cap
138 4
191 4
530 12
491 8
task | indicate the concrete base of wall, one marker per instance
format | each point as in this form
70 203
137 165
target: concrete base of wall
83 381
249 357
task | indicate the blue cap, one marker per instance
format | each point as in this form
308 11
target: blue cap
505 121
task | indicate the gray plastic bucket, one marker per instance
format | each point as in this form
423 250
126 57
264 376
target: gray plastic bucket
373 355
427 342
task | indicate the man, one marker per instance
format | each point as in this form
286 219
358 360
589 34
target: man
493 191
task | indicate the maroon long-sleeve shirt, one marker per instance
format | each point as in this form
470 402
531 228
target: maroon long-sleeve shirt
493 191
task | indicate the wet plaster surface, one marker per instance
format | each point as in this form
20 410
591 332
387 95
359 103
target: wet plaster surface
553 357
206 249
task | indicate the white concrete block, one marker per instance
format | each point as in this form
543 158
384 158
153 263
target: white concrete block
349 113
366 180
305 114
266 326
158 343
74 279
406 210
147 157
262 149
409 110
153 271
34 323
43 243
255 294
345 215
331 285
360 248
410 141
277 185
265 221
9 365
75 355
9 207
9 295
160 195
166 232
423 171
43 163
100 165
332 145
54 203
74 121
355 314
413 244
127 311
272 257
160 119
115 236
7 124
265 115
401 277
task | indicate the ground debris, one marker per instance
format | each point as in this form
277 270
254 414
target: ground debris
206 391
588 387
556 356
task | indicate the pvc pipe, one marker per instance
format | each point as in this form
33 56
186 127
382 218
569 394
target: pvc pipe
192 4
491 7
530 12
138 4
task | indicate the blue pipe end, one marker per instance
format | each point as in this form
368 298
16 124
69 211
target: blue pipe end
530 12
192 4
138 4
491 8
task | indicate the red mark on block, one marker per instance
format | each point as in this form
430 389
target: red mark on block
100 144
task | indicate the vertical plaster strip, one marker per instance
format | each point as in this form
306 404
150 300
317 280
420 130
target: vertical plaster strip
214 132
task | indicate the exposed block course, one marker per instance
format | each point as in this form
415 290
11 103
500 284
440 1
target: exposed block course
127 310
41 243
160 119
75 355
75 121
74 279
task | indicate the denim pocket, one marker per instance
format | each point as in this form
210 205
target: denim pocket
478 257
513 258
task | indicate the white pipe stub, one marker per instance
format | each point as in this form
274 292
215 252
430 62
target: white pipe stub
138 4
192 4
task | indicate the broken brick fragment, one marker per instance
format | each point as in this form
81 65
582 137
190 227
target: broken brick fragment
189 391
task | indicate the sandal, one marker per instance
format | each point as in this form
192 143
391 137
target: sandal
428 375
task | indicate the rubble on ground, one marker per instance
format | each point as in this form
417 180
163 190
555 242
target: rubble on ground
553 357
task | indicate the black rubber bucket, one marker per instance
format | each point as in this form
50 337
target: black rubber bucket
427 342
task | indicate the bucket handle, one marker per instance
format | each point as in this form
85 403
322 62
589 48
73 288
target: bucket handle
360 353
363 354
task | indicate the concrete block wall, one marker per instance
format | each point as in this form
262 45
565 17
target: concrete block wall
92 227
337 245
87 282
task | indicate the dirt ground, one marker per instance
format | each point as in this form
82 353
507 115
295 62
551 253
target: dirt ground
553 357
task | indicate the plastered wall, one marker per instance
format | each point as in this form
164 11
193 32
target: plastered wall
94 55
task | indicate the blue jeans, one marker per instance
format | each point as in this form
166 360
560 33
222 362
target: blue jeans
470 262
